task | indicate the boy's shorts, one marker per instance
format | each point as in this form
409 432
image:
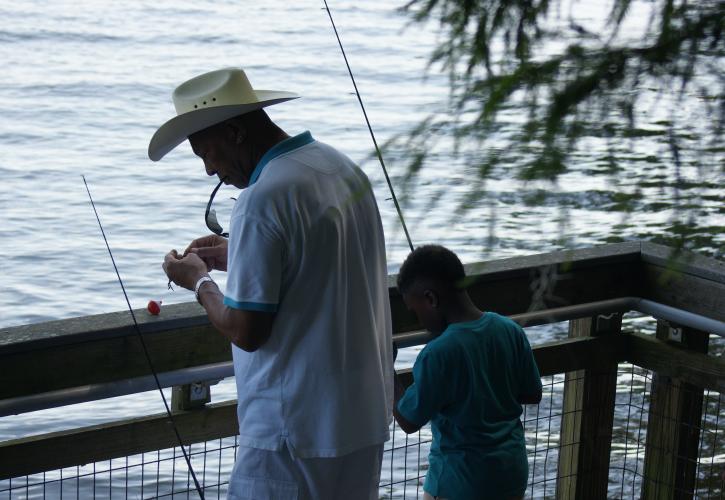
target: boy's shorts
263 474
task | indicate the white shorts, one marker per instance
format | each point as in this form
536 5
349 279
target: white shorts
276 475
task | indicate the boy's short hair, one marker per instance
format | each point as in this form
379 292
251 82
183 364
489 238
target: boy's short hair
433 262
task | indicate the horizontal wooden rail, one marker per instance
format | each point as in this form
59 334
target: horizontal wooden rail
104 348
218 371
686 281
669 359
127 437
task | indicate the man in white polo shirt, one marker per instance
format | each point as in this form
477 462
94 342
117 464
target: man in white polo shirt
306 304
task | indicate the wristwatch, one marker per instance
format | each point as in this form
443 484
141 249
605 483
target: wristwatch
201 281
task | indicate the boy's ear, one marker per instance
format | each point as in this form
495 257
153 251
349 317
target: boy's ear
431 297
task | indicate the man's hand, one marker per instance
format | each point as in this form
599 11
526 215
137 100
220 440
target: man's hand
184 271
212 249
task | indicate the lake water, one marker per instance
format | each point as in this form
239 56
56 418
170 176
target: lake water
85 84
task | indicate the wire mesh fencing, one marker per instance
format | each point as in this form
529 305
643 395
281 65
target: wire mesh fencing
634 414
164 474
160 474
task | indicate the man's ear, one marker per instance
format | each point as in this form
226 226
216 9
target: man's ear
236 133
431 297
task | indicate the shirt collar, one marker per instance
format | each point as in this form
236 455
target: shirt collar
278 149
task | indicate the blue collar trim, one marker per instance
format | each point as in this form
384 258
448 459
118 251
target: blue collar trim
278 149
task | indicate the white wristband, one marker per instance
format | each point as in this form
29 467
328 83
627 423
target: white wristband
201 281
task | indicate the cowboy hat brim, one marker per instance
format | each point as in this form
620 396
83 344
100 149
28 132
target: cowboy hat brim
178 129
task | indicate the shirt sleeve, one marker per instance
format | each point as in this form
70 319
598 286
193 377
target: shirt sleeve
254 265
429 392
531 380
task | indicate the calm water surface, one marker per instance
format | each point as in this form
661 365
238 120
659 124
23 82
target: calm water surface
86 83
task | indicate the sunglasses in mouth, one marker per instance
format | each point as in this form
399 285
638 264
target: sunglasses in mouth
210 215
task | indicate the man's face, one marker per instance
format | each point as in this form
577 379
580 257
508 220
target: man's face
424 302
223 152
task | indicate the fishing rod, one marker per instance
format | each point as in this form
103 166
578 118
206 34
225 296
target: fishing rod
375 142
387 178
145 350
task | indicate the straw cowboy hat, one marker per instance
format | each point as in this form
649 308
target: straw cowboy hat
209 99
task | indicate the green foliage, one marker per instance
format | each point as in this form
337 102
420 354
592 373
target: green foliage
571 82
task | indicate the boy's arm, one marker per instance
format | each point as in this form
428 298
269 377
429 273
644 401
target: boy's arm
407 426
416 405
531 391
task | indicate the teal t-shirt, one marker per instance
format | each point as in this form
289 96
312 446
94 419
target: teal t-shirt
467 383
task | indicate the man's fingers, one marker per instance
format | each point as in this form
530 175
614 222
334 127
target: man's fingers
204 241
194 244
205 252
169 258
183 270
208 254
172 255
189 248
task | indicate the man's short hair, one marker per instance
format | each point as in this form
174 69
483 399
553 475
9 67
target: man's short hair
433 262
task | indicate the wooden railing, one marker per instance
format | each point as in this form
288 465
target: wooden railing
68 355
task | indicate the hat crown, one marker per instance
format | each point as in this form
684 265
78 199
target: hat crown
216 88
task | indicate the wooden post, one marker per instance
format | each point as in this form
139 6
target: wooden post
190 396
586 421
673 425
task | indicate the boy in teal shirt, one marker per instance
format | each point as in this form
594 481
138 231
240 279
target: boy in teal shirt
469 382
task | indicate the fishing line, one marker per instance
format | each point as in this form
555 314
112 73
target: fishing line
143 345
387 178
377 149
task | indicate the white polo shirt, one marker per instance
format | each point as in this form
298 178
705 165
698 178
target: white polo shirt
306 241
